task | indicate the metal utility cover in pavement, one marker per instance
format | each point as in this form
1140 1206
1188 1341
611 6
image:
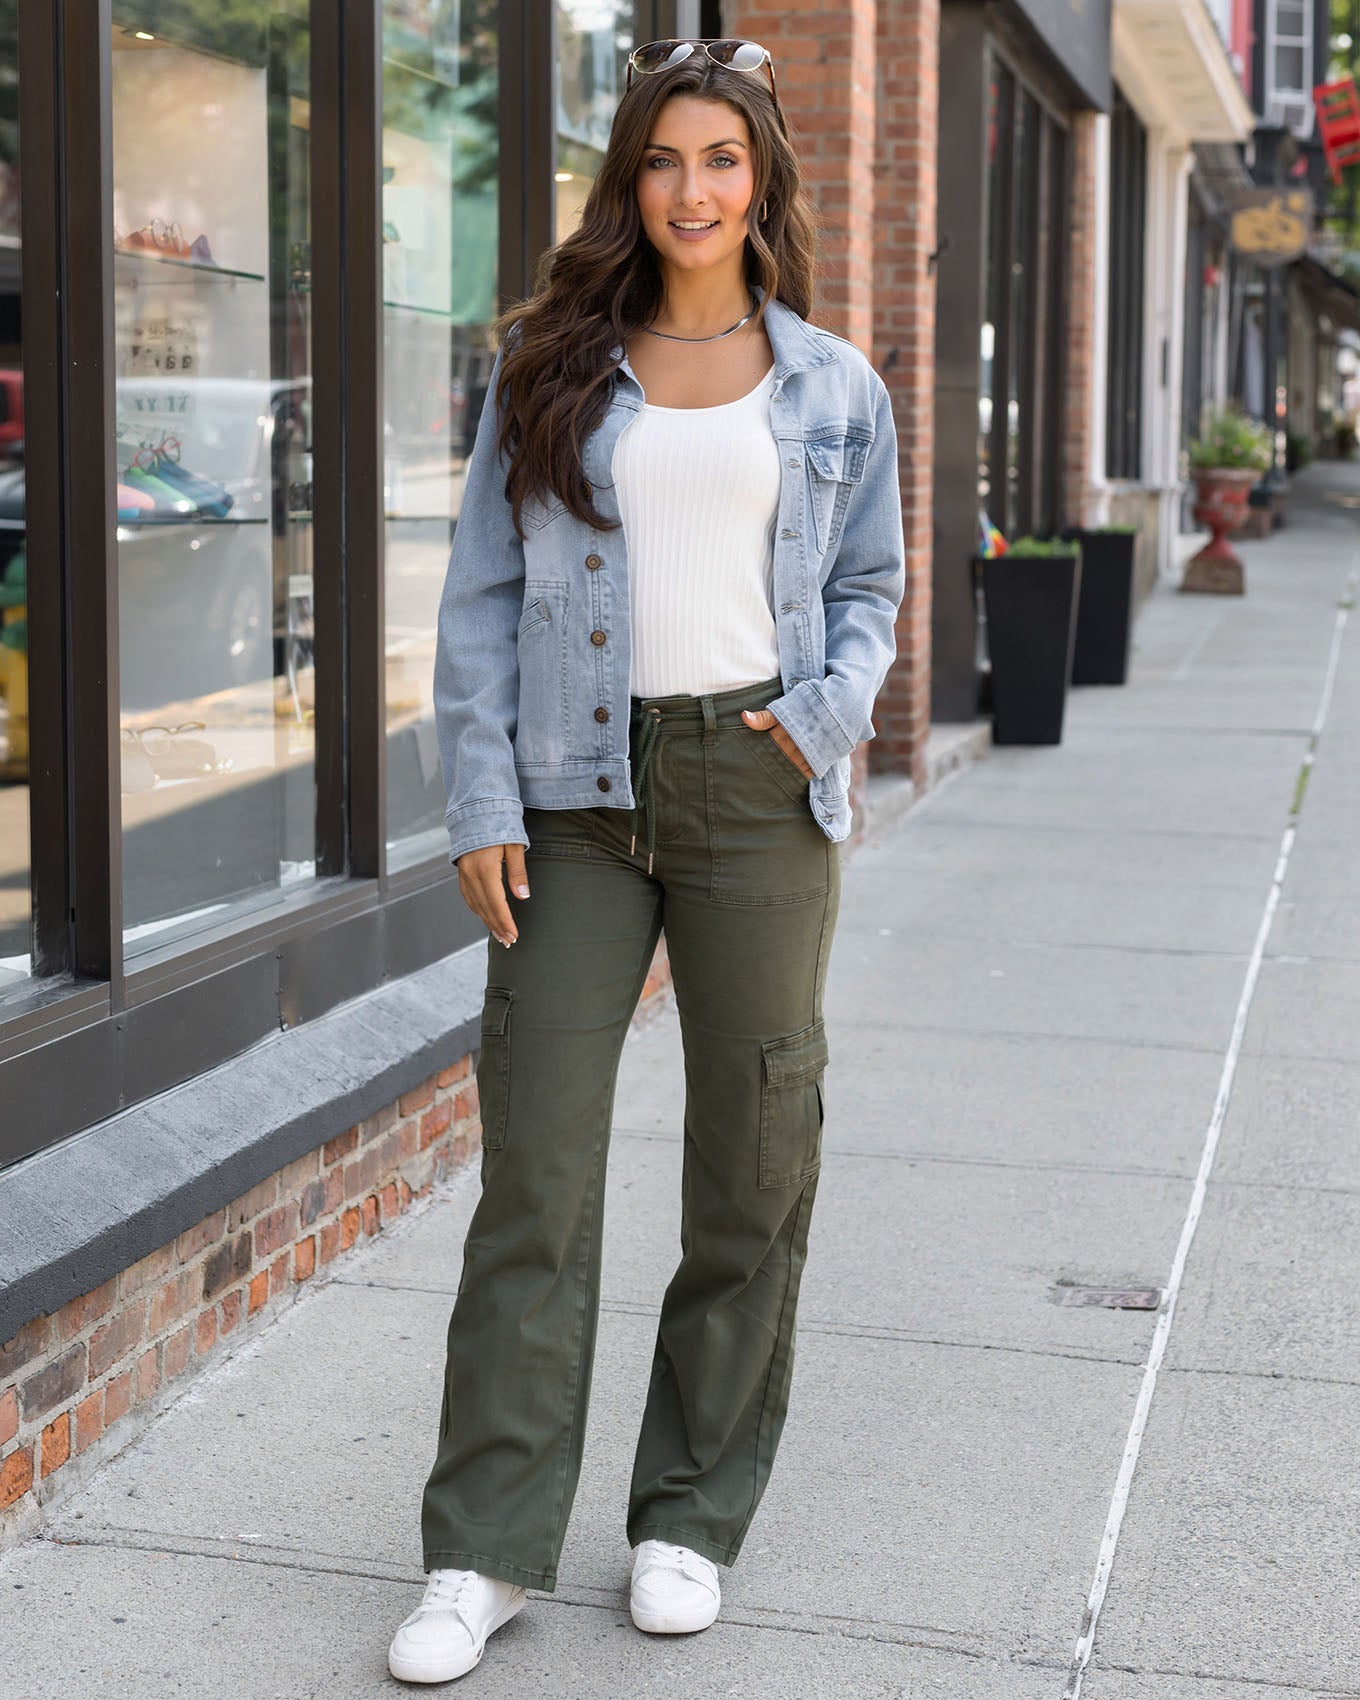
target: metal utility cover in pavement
1108 1298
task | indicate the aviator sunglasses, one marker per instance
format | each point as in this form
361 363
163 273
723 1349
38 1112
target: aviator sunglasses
733 54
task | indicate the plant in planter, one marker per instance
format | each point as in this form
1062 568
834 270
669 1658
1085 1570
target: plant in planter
1226 461
1104 603
1030 601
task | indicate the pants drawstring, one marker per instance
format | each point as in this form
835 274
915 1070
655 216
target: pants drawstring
642 782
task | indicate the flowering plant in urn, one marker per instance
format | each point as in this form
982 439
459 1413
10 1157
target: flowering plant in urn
1226 461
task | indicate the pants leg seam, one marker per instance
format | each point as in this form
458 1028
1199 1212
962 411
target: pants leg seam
769 1373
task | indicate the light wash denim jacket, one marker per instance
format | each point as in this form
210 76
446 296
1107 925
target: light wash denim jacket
521 670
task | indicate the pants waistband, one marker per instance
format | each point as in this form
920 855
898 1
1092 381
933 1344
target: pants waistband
722 708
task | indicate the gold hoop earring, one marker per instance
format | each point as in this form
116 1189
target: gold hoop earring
763 206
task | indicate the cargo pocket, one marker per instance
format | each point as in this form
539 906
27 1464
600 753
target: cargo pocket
791 1106
493 1065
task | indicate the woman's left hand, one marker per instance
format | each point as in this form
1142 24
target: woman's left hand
761 720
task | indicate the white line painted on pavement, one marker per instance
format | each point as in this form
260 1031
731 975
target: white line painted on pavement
1081 1655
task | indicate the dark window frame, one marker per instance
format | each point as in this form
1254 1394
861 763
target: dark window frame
86 1036
1125 299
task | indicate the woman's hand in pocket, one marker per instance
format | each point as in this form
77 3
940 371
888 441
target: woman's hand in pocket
482 886
761 720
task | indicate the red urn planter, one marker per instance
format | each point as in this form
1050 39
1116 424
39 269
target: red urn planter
1220 504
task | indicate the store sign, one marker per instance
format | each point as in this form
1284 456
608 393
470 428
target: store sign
1271 226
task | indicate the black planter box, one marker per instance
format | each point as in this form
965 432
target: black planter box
1104 607
1031 607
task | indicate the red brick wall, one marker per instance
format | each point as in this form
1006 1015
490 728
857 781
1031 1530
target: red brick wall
904 321
1081 322
100 1363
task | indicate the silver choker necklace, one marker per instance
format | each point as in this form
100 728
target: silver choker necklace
755 304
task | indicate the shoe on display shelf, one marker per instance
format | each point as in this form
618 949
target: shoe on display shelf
165 240
206 492
132 503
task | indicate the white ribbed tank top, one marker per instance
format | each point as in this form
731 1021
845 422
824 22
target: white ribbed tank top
698 491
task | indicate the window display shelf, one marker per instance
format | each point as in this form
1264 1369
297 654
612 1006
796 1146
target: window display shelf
195 266
183 519
391 306
425 312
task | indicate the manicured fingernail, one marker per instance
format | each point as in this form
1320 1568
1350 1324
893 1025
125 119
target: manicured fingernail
521 891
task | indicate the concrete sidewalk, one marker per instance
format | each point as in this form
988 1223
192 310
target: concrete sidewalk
1047 976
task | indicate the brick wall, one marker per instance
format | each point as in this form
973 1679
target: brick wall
1079 389
78 1384
904 332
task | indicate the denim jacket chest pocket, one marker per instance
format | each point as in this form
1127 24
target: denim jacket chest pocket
835 465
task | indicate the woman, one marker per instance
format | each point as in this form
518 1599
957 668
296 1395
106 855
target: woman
668 611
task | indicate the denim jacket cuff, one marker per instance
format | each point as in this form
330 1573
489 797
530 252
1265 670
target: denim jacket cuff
488 820
806 716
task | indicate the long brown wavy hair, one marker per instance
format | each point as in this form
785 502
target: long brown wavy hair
602 283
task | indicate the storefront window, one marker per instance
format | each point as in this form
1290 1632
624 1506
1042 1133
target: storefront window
14 827
440 167
594 39
213 460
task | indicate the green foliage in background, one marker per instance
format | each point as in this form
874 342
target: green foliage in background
1232 440
1052 546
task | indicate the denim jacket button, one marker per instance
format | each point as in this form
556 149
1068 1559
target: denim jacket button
602 714
593 561
597 638
602 782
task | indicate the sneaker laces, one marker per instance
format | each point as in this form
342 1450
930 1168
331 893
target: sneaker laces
683 1559
449 1590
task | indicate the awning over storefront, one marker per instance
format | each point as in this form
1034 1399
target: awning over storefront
1326 294
1174 68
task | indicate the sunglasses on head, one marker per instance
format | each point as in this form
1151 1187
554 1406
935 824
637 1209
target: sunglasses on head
733 54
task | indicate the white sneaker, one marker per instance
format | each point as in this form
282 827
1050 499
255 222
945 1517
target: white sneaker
674 1589
446 1634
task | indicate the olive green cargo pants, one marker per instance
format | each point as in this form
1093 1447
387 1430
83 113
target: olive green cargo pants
746 886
